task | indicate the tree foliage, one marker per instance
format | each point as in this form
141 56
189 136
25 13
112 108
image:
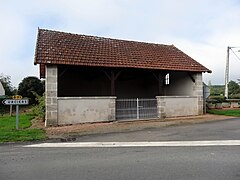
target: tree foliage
7 85
216 90
28 85
233 88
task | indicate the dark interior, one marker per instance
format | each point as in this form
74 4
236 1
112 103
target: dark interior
80 81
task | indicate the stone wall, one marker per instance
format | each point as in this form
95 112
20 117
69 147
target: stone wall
51 95
223 105
74 110
198 91
176 106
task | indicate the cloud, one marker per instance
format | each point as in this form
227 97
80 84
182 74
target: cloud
202 29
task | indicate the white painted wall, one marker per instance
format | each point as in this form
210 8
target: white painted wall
74 110
180 85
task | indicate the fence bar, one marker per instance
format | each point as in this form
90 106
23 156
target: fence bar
137 108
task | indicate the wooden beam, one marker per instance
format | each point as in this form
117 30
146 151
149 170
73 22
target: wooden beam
107 75
60 75
112 77
190 75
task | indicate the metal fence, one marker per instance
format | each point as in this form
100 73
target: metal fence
136 108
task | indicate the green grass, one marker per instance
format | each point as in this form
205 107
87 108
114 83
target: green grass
8 132
229 112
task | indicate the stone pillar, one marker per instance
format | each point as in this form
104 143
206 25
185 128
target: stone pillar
161 105
112 107
198 91
51 95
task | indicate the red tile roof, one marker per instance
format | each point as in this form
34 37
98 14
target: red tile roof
55 47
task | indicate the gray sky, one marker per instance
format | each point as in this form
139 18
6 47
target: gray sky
202 29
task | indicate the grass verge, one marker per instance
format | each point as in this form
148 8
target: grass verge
226 112
8 132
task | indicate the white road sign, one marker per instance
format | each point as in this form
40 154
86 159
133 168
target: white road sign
15 102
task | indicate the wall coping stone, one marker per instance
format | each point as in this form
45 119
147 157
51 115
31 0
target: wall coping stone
97 97
176 96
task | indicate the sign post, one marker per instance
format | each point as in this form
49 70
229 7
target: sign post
17 108
16 100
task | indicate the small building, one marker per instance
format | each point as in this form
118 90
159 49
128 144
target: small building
2 91
87 76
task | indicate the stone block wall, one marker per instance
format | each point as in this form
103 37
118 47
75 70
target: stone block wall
198 91
161 106
176 106
51 95
74 110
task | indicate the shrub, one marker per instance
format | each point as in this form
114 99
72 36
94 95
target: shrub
217 99
39 108
3 109
234 96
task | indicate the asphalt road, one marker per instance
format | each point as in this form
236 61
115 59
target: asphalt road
217 130
121 163
213 162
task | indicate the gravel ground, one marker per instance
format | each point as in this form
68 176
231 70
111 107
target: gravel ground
123 126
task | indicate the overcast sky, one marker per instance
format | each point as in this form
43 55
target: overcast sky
202 29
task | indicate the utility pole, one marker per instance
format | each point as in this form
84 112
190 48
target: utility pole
227 69
227 73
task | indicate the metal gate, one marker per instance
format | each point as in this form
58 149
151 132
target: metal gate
136 108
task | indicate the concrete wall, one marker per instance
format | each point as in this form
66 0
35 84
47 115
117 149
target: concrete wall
73 110
174 106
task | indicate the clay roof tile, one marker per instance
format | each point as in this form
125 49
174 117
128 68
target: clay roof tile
65 48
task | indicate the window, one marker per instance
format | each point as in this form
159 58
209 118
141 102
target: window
167 79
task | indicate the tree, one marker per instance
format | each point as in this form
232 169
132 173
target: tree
217 90
7 85
29 85
233 88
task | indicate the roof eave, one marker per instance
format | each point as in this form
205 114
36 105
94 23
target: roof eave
35 55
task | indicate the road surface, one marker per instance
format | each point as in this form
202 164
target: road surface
19 161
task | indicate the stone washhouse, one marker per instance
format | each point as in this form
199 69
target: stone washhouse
85 76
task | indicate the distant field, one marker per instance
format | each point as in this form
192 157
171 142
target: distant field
8 132
228 112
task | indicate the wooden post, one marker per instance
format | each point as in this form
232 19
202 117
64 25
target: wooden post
112 77
160 78
112 83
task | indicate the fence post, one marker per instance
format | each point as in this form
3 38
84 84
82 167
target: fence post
137 108
10 110
17 109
